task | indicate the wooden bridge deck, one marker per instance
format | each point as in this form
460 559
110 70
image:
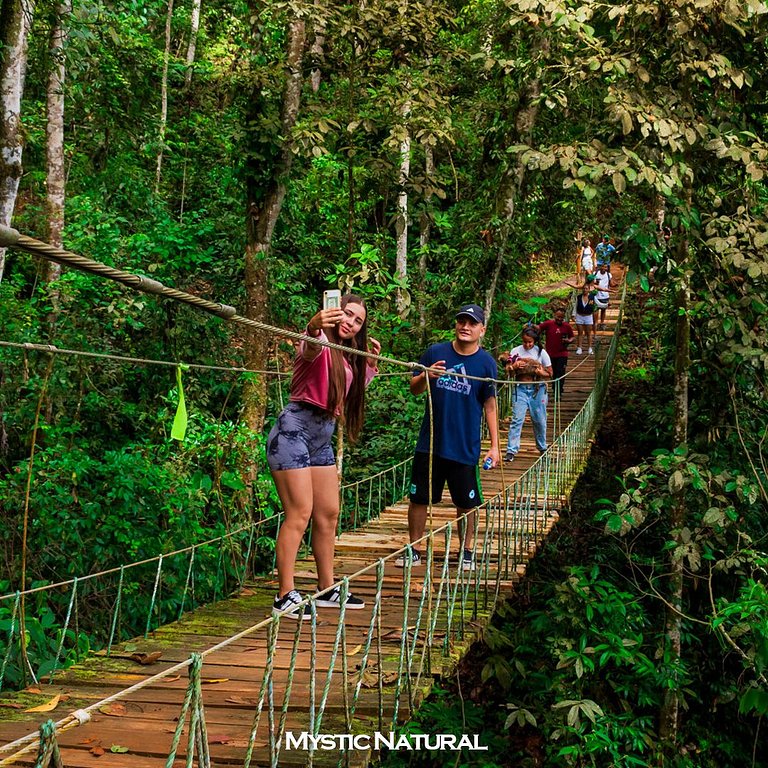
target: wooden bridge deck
142 723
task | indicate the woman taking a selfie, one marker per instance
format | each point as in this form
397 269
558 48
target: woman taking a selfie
327 386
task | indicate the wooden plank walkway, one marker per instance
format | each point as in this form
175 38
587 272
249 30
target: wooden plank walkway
143 722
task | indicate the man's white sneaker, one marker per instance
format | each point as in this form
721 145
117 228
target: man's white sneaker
578 350
403 559
591 351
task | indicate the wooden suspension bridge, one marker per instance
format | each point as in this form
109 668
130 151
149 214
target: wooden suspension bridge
261 678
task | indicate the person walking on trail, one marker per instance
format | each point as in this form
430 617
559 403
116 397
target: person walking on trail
458 404
587 258
603 281
605 252
584 316
558 335
327 386
530 365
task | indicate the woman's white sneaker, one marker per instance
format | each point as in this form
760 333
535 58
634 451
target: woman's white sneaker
287 606
331 598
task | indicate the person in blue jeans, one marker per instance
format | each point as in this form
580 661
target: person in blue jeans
531 366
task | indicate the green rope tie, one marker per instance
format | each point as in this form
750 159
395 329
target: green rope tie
186 584
48 755
481 567
219 564
403 661
344 593
116 612
369 636
154 595
445 587
458 589
247 559
266 681
72 601
197 738
379 677
370 499
312 673
501 542
426 599
344 684
288 686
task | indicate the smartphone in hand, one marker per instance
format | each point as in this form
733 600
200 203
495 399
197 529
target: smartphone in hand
331 299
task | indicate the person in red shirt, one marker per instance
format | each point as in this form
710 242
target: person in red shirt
558 335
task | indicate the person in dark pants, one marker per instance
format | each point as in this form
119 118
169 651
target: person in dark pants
558 335
457 404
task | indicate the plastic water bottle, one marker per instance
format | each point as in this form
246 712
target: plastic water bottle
488 463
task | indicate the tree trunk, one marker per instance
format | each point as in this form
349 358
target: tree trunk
164 97
425 232
15 21
513 178
55 146
316 51
401 219
192 47
263 211
668 715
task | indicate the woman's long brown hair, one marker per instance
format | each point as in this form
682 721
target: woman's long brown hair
354 403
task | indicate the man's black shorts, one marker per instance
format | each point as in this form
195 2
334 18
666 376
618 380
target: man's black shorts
463 481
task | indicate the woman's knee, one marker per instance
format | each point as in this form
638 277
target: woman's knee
324 520
296 520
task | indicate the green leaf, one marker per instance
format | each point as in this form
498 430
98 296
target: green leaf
755 700
676 481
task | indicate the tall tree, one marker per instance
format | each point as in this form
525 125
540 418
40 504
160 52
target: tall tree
55 178
401 216
163 97
15 22
194 29
520 131
266 188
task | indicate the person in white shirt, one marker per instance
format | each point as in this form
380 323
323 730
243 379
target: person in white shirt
587 258
603 281
531 366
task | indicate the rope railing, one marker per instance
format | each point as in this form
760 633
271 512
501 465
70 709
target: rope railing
12 238
204 574
54 350
363 500
513 523
430 618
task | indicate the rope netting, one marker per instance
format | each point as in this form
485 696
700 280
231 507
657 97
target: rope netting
435 611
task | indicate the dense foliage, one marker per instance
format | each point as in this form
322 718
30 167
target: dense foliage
573 670
426 154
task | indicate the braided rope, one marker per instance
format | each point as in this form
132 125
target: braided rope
11 238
